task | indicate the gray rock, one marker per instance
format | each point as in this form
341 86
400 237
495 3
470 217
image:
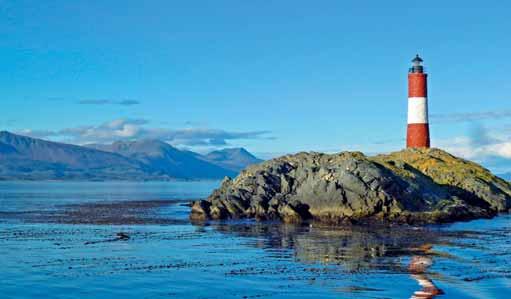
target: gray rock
412 186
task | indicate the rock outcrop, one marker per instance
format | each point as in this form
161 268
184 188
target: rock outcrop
410 186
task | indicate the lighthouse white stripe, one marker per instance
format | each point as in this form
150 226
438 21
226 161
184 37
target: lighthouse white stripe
417 110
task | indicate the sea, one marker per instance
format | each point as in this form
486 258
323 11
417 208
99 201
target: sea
134 240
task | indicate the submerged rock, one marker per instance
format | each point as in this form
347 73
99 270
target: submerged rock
410 186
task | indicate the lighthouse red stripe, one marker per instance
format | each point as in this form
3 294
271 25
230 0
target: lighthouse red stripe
417 85
417 135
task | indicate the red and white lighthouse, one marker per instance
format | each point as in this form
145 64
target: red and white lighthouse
418 126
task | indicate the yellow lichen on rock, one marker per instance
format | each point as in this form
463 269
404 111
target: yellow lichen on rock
446 169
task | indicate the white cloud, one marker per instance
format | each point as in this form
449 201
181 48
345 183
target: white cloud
135 129
482 144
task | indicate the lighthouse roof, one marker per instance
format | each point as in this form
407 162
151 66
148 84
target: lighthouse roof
417 59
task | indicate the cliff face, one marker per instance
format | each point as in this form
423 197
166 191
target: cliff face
410 186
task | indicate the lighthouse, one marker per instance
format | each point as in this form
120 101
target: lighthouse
418 127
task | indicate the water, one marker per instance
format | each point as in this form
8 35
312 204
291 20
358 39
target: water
59 240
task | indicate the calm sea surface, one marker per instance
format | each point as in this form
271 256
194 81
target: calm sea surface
134 240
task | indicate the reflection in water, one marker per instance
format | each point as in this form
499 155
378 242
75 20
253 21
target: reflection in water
353 249
418 267
63 239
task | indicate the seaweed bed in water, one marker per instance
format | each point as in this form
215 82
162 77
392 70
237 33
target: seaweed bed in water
79 240
103 213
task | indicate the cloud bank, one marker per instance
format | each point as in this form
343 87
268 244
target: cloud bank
137 129
491 147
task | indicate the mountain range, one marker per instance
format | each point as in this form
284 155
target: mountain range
26 158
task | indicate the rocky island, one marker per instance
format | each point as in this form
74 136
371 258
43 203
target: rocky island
409 186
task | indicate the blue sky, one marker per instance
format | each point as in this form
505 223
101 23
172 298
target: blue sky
273 76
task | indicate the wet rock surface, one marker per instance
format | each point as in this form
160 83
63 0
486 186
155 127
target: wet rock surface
410 186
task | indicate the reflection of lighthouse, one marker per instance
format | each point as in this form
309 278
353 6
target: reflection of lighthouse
418 127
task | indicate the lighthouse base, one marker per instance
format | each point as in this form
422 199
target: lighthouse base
417 136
